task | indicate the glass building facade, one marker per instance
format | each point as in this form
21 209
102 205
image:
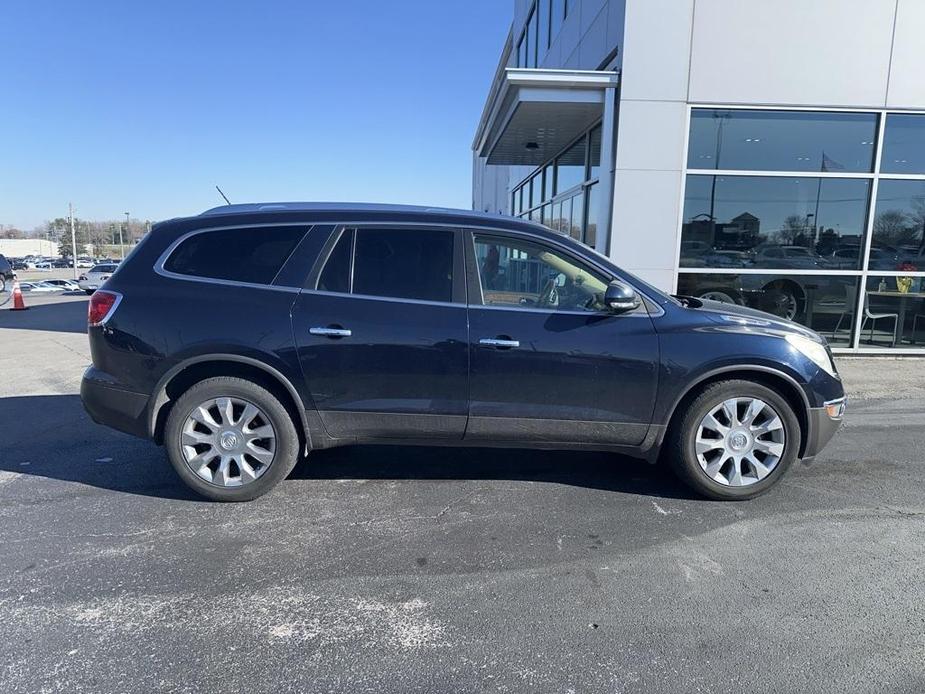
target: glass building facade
562 192
817 216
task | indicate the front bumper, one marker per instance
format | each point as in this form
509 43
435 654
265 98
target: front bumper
108 403
822 426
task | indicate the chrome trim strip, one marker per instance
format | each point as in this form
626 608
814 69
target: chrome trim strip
369 297
331 332
495 342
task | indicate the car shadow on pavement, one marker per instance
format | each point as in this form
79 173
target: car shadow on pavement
59 315
51 436
594 470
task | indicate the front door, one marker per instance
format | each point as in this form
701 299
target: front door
382 334
548 363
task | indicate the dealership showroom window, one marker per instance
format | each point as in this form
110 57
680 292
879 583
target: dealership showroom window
815 216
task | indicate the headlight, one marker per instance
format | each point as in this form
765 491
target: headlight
813 351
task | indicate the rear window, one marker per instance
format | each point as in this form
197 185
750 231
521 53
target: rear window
254 255
103 268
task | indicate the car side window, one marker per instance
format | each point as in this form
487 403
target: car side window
251 254
530 275
392 263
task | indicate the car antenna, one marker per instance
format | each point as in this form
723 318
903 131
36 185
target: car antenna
223 195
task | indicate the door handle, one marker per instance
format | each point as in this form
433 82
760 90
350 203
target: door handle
330 332
499 343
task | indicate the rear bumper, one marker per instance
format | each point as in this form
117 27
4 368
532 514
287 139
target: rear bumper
822 426
108 403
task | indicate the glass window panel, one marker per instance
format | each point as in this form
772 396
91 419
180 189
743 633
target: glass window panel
253 255
529 194
534 41
404 264
899 222
904 144
546 214
558 14
530 275
781 140
335 277
570 167
522 52
824 303
593 214
548 182
594 169
542 11
578 219
774 222
894 312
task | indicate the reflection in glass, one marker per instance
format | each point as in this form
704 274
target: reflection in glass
593 215
548 190
903 144
534 42
558 14
899 222
570 167
894 312
781 140
543 43
578 209
594 165
824 303
774 222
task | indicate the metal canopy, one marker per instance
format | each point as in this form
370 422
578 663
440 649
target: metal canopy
538 112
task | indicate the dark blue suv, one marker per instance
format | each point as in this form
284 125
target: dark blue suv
251 335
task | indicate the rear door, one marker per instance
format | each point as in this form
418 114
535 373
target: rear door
548 363
382 333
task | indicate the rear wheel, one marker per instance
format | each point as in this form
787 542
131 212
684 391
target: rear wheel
735 440
230 439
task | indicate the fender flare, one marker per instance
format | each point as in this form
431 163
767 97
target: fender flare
159 399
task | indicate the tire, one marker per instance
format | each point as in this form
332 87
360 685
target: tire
270 412
717 295
683 435
89 291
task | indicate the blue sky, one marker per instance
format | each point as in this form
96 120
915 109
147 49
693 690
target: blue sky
145 106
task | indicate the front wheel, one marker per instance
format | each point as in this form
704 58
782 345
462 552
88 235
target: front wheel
230 439
735 440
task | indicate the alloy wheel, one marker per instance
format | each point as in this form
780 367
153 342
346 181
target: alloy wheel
228 442
740 441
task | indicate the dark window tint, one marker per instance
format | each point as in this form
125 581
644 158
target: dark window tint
781 140
404 264
904 144
251 255
899 222
335 277
774 221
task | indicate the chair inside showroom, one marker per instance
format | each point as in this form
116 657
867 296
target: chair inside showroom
851 302
874 317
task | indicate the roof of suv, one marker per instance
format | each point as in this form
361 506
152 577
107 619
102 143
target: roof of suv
346 207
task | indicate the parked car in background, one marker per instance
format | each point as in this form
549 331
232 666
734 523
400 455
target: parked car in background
793 257
93 280
40 287
44 265
250 335
65 285
85 262
7 275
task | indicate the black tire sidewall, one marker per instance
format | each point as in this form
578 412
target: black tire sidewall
684 456
287 438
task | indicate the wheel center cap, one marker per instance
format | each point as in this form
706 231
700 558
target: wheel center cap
738 441
229 440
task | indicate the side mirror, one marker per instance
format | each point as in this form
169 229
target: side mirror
620 298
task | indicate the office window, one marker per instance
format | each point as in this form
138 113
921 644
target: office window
557 16
542 12
782 140
404 264
774 222
570 167
594 154
904 144
532 30
899 222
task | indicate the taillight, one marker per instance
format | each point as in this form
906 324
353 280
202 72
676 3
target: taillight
101 306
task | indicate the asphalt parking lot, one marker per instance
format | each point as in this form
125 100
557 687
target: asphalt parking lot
431 570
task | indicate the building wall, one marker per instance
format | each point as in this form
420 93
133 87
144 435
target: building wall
820 53
19 248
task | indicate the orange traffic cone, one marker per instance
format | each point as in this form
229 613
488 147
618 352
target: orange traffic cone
18 303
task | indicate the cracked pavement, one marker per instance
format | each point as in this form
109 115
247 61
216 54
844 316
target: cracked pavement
419 569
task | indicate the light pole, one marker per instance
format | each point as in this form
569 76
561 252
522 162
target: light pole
70 217
121 246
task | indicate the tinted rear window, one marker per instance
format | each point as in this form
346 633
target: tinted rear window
253 255
103 268
413 264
